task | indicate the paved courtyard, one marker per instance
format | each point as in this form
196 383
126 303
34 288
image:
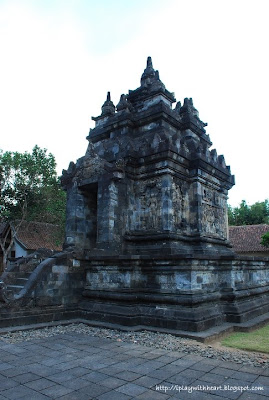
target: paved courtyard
81 367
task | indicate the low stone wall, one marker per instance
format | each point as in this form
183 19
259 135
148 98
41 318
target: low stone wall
58 280
52 293
179 294
191 294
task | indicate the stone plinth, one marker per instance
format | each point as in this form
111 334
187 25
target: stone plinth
174 293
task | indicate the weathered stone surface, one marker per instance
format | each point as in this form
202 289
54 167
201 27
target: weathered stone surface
147 217
53 281
148 182
181 293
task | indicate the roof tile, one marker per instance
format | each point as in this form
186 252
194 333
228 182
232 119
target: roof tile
36 235
247 238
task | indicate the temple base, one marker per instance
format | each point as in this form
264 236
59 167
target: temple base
190 294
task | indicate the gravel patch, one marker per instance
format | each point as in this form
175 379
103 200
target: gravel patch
145 338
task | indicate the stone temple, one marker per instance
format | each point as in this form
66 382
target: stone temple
146 240
148 184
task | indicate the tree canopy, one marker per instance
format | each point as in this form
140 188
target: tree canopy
30 191
265 239
257 213
30 187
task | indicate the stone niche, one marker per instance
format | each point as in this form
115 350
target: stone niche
147 217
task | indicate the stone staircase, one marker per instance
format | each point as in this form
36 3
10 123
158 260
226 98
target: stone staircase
41 288
18 273
16 283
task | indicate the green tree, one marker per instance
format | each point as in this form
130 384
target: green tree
30 189
257 213
240 215
265 239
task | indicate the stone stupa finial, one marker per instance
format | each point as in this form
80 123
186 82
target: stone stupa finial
108 107
149 62
148 75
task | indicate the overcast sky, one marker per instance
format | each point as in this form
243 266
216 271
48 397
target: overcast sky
60 57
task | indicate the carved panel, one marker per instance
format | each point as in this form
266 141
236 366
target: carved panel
178 204
145 206
154 205
213 213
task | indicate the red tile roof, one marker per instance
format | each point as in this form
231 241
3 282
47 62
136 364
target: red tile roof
37 235
247 238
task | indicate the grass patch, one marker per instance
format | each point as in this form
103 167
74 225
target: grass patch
257 340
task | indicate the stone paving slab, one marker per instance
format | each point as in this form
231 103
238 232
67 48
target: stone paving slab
82 367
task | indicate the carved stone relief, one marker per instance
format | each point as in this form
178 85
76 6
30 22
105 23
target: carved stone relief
151 203
145 206
178 205
213 213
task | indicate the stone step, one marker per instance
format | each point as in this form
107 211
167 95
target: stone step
30 268
19 281
24 273
19 275
14 288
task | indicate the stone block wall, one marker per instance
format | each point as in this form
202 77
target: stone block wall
56 281
63 285
176 293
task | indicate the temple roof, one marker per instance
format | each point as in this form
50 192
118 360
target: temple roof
150 85
247 238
